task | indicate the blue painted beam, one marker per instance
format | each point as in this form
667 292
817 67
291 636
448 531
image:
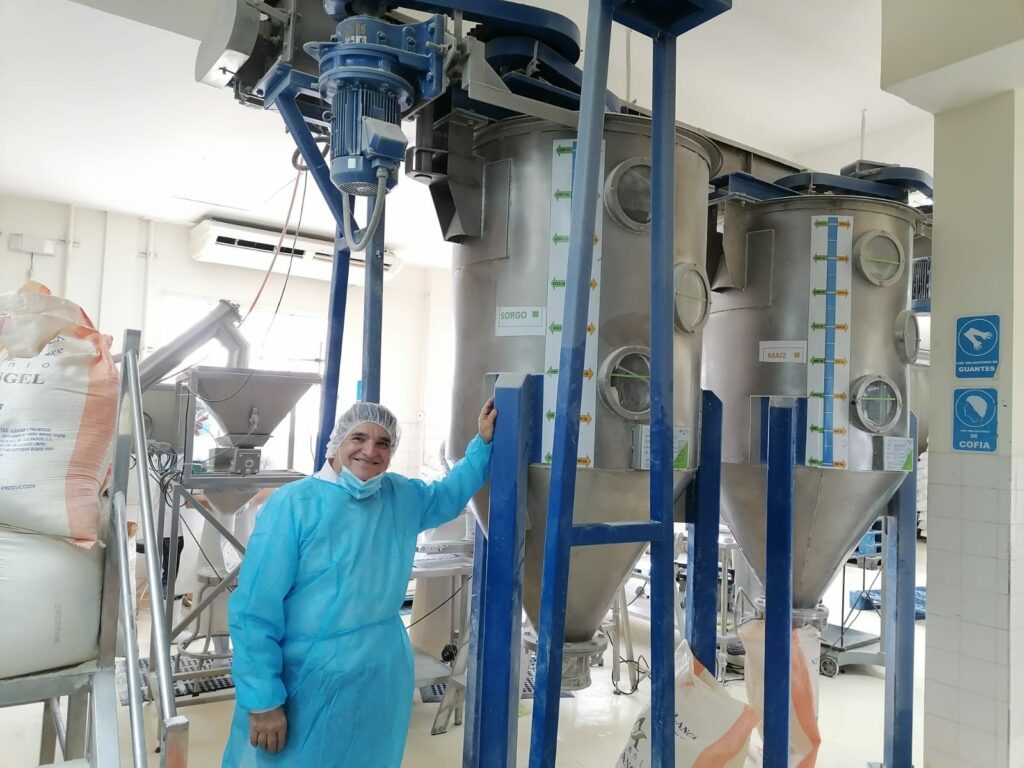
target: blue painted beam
899 618
615 533
702 542
516 398
746 187
668 18
373 310
663 134
335 337
285 104
558 535
475 671
778 588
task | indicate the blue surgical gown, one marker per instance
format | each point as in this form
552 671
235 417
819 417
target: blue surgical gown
315 618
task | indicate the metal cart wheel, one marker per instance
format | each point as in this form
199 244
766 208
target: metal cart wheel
829 666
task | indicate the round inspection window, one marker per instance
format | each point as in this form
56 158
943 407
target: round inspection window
627 194
879 258
876 403
624 381
908 336
692 297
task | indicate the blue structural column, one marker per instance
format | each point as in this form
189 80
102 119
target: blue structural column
283 100
516 443
663 133
558 534
474 669
702 544
335 337
899 617
373 311
778 587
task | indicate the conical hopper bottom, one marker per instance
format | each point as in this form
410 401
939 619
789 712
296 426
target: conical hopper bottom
229 502
595 573
236 395
832 509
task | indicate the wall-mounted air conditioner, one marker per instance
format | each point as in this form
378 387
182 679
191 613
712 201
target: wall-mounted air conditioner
239 245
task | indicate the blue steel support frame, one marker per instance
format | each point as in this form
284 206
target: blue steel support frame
702 541
900 573
283 86
474 669
778 586
518 398
335 337
558 535
663 132
373 310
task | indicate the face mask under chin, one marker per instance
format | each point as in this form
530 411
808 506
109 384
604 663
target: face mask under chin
359 489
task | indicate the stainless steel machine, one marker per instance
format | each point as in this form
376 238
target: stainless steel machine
811 297
249 405
509 285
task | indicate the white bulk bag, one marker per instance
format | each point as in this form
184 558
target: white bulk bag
805 651
712 729
58 398
50 592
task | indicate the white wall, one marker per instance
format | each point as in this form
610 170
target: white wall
909 144
107 275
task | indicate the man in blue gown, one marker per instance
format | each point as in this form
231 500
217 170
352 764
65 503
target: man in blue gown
322 664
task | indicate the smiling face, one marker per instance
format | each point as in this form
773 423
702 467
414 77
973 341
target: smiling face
366 451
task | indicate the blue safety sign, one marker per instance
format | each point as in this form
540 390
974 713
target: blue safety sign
975 415
977 346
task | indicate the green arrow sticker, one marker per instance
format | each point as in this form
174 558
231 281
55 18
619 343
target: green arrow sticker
552 371
682 460
563 194
560 239
547 457
556 283
564 149
555 327
550 415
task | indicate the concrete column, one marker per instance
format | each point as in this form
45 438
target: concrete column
964 64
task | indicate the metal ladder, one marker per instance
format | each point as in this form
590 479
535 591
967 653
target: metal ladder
88 737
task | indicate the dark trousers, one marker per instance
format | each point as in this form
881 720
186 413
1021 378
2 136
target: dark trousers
165 548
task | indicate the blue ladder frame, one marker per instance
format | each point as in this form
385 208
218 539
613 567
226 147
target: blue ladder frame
662 22
898 608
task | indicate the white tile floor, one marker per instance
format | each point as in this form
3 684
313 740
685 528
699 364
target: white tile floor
593 726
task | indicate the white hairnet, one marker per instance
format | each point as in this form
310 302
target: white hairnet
361 413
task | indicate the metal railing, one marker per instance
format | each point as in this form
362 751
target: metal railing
131 435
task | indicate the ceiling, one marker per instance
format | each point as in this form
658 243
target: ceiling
106 114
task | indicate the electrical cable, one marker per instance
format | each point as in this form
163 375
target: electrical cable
643 671
437 608
288 274
355 246
277 248
642 592
164 487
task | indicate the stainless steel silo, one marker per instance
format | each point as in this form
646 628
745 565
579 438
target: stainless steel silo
509 315
811 301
